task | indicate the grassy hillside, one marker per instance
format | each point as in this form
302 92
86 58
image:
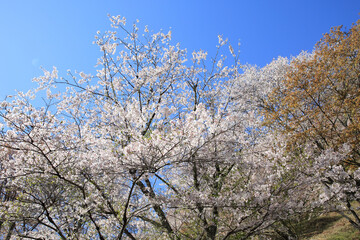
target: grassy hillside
329 226
332 227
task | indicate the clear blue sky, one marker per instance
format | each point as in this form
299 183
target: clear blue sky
50 33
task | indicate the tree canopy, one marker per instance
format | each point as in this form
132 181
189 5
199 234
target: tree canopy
318 100
153 146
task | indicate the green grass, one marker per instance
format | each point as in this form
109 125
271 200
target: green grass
336 228
329 226
316 226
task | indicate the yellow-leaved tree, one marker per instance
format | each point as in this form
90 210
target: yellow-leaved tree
319 99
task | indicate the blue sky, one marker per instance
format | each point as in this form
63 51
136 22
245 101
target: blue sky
60 33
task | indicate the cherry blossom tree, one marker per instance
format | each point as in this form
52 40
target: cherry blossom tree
151 146
315 101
